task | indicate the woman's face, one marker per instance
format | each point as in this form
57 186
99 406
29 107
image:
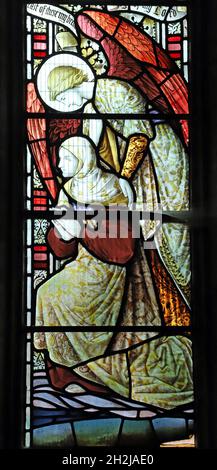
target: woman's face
71 99
68 163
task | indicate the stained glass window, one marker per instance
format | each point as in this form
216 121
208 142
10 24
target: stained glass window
108 314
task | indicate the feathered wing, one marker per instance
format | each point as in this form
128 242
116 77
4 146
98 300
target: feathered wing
58 130
36 130
40 132
134 55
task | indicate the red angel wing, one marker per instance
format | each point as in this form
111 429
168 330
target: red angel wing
36 129
39 130
58 130
134 55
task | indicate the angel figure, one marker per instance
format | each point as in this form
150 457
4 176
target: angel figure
149 158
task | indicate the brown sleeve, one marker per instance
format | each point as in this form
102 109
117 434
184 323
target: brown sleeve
117 250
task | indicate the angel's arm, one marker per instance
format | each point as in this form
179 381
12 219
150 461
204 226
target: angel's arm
114 96
136 150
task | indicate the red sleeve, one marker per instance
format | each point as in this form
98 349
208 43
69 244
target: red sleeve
61 248
114 250
111 250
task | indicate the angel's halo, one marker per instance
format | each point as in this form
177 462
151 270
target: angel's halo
57 60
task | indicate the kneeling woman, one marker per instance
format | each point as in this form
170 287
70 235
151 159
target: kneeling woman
89 291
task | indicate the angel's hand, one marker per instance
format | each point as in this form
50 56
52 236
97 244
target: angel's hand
126 190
